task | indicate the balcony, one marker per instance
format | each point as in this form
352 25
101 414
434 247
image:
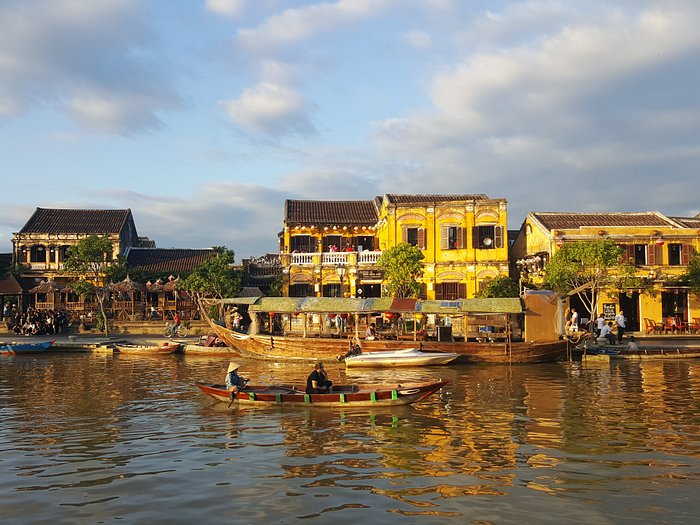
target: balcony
334 258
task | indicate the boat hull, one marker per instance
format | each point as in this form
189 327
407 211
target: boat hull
658 353
169 348
341 396
409 357
290 348
15 348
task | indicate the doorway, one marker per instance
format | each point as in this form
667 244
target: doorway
629 304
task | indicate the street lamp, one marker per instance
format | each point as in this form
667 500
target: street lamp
341 271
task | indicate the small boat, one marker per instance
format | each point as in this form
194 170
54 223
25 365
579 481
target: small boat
406 357
168 347
340 396
208 345
17 347
658 353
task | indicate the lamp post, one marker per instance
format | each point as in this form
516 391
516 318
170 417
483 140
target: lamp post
341 271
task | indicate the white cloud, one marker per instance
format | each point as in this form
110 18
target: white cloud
269 108
52 52
419 39
231 8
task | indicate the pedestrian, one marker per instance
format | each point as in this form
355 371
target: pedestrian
632 345
574 320
600 323
621 321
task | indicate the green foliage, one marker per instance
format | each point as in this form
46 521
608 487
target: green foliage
501 286
691 277
402 267
90 262
215 277
584 264
276 287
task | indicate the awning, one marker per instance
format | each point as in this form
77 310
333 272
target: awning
239 300
387 304
499 305
277 304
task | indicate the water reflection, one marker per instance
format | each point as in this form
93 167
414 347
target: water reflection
102 435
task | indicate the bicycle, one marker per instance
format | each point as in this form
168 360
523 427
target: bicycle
170 330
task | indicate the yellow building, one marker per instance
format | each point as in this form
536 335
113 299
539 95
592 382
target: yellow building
659 247
330 248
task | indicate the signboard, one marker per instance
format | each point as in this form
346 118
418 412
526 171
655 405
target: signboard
609 311
370 275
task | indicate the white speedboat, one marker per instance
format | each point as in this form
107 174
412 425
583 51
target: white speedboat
406 357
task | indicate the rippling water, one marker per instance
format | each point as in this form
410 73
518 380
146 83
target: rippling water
95 438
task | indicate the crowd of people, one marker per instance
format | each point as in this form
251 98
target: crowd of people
37 322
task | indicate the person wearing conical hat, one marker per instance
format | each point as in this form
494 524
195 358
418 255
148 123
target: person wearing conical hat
234 382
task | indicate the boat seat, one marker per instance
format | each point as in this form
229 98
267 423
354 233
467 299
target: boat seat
344 388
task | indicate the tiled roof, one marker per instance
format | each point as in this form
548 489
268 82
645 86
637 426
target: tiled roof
47 220
427 199
9 285
572 221
330 212
166 259
688 222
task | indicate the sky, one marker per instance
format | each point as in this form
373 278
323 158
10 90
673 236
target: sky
203 116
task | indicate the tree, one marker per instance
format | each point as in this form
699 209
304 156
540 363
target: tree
582 266
92 262
501 286
216 277
691 277
402 267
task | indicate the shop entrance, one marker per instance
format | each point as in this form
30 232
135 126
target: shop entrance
629 304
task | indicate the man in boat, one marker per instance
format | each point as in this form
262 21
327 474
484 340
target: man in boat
355 349
234 382
371 333
318 382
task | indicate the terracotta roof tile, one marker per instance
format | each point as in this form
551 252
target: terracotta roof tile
47 220
166 259
362 213
688 222
572 221
427 199
9 285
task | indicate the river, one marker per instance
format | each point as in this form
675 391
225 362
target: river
102 438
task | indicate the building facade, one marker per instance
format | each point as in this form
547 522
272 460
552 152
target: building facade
657 246
330 248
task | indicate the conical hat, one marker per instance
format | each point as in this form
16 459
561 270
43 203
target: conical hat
232 366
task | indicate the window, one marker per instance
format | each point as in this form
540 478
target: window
364 242
303 244
450 291
674 254
332 290
38 254
300 290
332 240
487 237
640 254
452 238
414 236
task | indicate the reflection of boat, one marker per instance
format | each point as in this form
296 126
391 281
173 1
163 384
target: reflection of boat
168 347
658 353
405 357
25 348
341 396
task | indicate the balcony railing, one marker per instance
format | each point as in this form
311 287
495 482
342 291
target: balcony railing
333 258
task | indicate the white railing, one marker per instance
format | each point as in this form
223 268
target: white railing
368 257
331 258
303 258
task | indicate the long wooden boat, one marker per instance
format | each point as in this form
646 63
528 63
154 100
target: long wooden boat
294 348
198 349
341 395
168 347
405 357
17 347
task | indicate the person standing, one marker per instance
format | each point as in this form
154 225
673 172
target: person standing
600 323
574 320
621 321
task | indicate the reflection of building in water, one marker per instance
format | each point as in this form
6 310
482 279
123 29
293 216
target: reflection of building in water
544 404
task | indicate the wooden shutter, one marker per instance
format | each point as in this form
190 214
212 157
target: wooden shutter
376 244
651 260
685 254
421 238
444 237
404 234
629 253
462 290
438 291
498 233
423 291
475 236
461 233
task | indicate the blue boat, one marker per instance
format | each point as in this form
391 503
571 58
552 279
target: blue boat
20 347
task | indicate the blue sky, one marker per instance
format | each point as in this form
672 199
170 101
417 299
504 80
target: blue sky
204 116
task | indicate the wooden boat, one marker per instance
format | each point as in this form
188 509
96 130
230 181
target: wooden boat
658 353
17 347
341 395
296 348
405 357
197 349
168 347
